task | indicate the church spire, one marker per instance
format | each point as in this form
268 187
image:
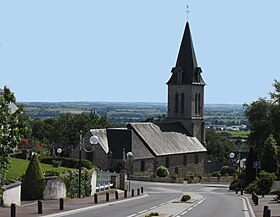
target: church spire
186 70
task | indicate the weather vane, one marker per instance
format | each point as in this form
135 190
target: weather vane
187 11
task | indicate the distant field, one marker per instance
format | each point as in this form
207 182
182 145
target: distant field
19 166
241 134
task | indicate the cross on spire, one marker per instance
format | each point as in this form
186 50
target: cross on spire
187 11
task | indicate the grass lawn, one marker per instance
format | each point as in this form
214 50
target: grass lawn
19 166
241 134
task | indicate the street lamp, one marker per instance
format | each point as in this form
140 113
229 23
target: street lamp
93 140
129 156
59 150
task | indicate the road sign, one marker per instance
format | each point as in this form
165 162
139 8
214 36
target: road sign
256 165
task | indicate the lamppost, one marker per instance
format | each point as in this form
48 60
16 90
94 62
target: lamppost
129 156
59 150
94 141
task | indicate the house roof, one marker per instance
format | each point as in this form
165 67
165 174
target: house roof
186 62
102 136
164 140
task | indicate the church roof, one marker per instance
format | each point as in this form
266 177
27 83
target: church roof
186 63
164 139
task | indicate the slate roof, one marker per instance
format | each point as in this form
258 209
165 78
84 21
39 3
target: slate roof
186 62
164 140
102 136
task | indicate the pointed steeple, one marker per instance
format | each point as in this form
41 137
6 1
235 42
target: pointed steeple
186 70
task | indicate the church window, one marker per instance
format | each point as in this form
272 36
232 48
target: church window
199 104
167 162
182 103
196 158
142 165
176 102
185 160
195 104
177 170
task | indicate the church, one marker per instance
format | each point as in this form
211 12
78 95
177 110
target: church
178 143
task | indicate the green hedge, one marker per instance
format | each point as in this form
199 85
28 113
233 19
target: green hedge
66 162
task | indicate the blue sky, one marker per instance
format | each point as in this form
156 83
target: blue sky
123 51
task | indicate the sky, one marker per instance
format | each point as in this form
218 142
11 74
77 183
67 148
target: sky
123 51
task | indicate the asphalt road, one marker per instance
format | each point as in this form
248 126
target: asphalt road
214 201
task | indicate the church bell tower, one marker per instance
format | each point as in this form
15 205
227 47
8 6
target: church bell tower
186 90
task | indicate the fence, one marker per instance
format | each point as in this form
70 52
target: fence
104 180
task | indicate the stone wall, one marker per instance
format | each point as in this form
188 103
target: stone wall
12 194
54 188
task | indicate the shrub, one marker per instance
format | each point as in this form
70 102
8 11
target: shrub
252 187
152 214
33 181
49 173
162 172
66 162
228 170
216 174
185 198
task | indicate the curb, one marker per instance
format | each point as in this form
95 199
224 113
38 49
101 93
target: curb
250 209
65 213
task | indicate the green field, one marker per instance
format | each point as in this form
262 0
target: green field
235 134
19 166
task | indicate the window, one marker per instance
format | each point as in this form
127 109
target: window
142 165
196 158
199 105
182 103
167 162
185 160
176 102
177 170
195 104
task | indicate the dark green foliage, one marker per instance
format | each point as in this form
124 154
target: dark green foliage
226 170
216 174
185 198
64 131
71 181
218 147
250 171
257 184
269 156
33 183
152 214
49 173
67 162
162 172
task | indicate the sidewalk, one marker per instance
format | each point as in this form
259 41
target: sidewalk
49 207
267 200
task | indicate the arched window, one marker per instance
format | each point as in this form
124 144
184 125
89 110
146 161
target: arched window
195 104
182 103
199 104
176 102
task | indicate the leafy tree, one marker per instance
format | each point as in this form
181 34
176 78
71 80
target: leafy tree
264 117
218 147
33 181
14 126
269 158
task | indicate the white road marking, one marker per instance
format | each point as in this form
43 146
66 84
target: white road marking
153 207
246 211
142 211
132 215
183 213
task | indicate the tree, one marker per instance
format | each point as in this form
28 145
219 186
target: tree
218 147
269 158
250 170
264 117
14 126
33 181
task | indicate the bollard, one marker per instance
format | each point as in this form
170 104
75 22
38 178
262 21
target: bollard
40 207
13 210
116 195
267 213
241 191
61 204
95 198
125 193
132 192
142 190
138 191
107 196
264 210
236 191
